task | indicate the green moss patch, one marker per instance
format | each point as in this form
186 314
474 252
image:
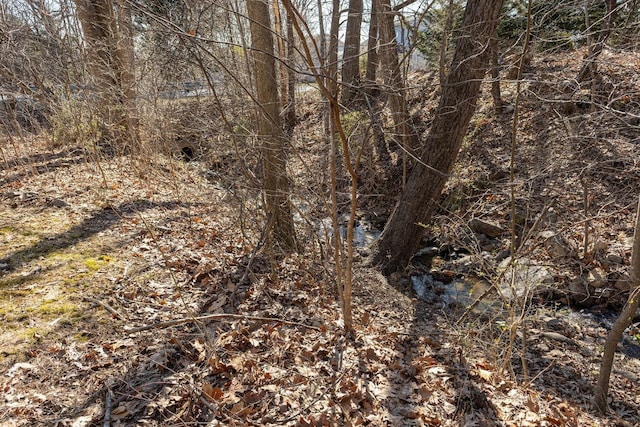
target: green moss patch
56 308
94 264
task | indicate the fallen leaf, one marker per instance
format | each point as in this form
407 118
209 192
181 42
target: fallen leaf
484 374
119 412
213 393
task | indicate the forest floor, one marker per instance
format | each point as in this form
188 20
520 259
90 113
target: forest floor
135 288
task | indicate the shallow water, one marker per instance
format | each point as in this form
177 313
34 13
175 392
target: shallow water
463 292
363 235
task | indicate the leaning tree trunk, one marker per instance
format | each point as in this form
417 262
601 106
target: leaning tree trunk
406 226
276 183
444 44
623 321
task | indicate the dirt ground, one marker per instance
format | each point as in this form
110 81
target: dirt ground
135 288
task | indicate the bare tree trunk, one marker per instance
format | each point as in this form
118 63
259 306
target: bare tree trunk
323 36
444 45
332 69
290 107
372 44
332 86
108 30
395 83
343 264
589 66
276 182
623 321
495 74
282 53
125 54
405 227
372 86
95 18
351 53
391 67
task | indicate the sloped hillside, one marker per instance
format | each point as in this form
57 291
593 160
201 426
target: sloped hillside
140 288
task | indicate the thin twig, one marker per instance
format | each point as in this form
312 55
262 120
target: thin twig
491 289
585 206
105 306
313 402
532 380
107 409
535 225
254 252
513 248
218 316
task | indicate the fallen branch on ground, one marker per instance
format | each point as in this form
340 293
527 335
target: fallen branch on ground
218 316
105 306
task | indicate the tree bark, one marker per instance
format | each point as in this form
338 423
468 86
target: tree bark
323 37
351 53
276 182
332 67
125 66
372 44
498 104
406 226
444 44
96 20
393 77
108 33
589 65
290 108
282 54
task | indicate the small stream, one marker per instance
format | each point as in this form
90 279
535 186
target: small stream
465 291
458 292
363 234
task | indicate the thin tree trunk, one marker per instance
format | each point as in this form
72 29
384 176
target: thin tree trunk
282 53
276 182
372 86
390 61
332 68
332 87
406 226
395 84
323 36
351 53
322 68
495 74
623 321
372 44
344 267
589 65
290 107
